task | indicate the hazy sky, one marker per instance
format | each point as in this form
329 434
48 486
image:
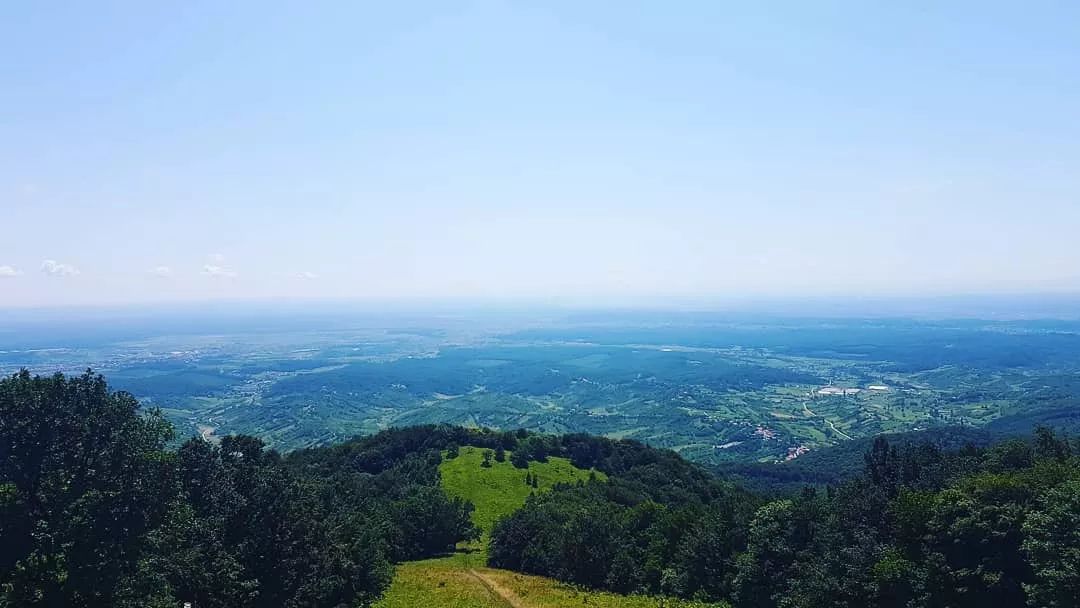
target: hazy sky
161 151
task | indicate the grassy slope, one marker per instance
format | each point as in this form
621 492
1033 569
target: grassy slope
455 582
463 581
445 582
500 490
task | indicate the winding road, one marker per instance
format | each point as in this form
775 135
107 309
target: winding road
832 426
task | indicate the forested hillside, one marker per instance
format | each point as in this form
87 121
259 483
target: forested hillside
919 527
97 510
845 461
94 511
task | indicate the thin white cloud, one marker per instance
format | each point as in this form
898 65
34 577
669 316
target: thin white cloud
162 272
7 272
57 269
216 267
307 275
213 270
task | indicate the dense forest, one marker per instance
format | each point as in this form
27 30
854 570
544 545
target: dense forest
920 526
96 511
99 507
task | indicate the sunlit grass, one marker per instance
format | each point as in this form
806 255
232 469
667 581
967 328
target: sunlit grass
460 581
499 490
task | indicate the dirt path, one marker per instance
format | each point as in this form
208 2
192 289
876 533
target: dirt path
509 597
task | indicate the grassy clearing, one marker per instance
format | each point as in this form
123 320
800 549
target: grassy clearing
500 490
444 582
460 581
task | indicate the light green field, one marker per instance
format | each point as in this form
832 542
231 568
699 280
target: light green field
463 581
500 490
444 582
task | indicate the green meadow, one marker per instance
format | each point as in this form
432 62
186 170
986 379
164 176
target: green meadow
500 489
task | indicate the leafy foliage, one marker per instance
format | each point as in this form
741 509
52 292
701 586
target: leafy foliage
921 526
94 510
81 476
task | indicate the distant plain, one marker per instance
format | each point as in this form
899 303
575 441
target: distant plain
715 387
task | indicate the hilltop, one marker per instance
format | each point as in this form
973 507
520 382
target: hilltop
462 580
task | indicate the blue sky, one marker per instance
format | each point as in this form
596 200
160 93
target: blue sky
166 152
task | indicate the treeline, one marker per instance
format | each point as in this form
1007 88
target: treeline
921 526
642 471
839 463
95 511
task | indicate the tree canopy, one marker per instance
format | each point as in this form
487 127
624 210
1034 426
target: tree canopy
96 511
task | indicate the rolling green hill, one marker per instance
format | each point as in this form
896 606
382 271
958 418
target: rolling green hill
463 581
